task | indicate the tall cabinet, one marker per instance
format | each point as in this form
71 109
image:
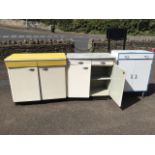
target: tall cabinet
93 75
138 65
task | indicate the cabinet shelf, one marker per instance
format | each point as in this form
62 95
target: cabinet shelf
101 78
99 87
100 92
101 72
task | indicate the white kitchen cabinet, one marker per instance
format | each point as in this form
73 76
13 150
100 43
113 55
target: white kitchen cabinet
53 82
137 65
24 84
37 76
107 81
79 78
95 74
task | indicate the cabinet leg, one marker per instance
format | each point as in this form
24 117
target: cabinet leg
143 94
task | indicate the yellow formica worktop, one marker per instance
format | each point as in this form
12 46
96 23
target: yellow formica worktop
35 59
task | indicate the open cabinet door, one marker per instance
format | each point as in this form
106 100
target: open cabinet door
117 84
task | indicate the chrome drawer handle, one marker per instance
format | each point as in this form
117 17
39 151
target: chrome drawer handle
146 56
80 63
103 63
127 57
32 69
131 76
45 69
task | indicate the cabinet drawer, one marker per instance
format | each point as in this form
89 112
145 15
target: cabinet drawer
136 56
102 63
79 62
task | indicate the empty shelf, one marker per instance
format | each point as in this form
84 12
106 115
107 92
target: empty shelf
100 72
101 78
100 92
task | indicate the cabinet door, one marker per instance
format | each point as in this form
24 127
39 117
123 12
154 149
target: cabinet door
116 86
141 75
24 84
79 78
128 66
53 82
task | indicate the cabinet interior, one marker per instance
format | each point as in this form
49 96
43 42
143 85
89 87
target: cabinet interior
101 72
100 80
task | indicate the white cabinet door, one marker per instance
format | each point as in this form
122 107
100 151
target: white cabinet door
24 84
117 85
141 75
53 82
79 78
128 66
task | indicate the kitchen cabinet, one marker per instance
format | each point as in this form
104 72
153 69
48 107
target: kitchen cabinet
37 76
94 75
137 65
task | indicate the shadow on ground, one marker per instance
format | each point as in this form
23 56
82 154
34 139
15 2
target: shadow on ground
129 99
40 102
132 98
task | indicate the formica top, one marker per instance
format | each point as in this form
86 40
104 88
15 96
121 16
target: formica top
35 56
89 56
19 60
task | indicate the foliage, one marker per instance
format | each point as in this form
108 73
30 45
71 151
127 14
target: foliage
134 26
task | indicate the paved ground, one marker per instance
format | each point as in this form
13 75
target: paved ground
94 116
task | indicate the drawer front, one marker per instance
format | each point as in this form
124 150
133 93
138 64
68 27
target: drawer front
136 56
79 62
102 63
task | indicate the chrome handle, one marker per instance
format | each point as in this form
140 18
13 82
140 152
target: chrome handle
45 69
146 56
136 76
85 67
127 57
103 63
131 76
80 63
32 69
